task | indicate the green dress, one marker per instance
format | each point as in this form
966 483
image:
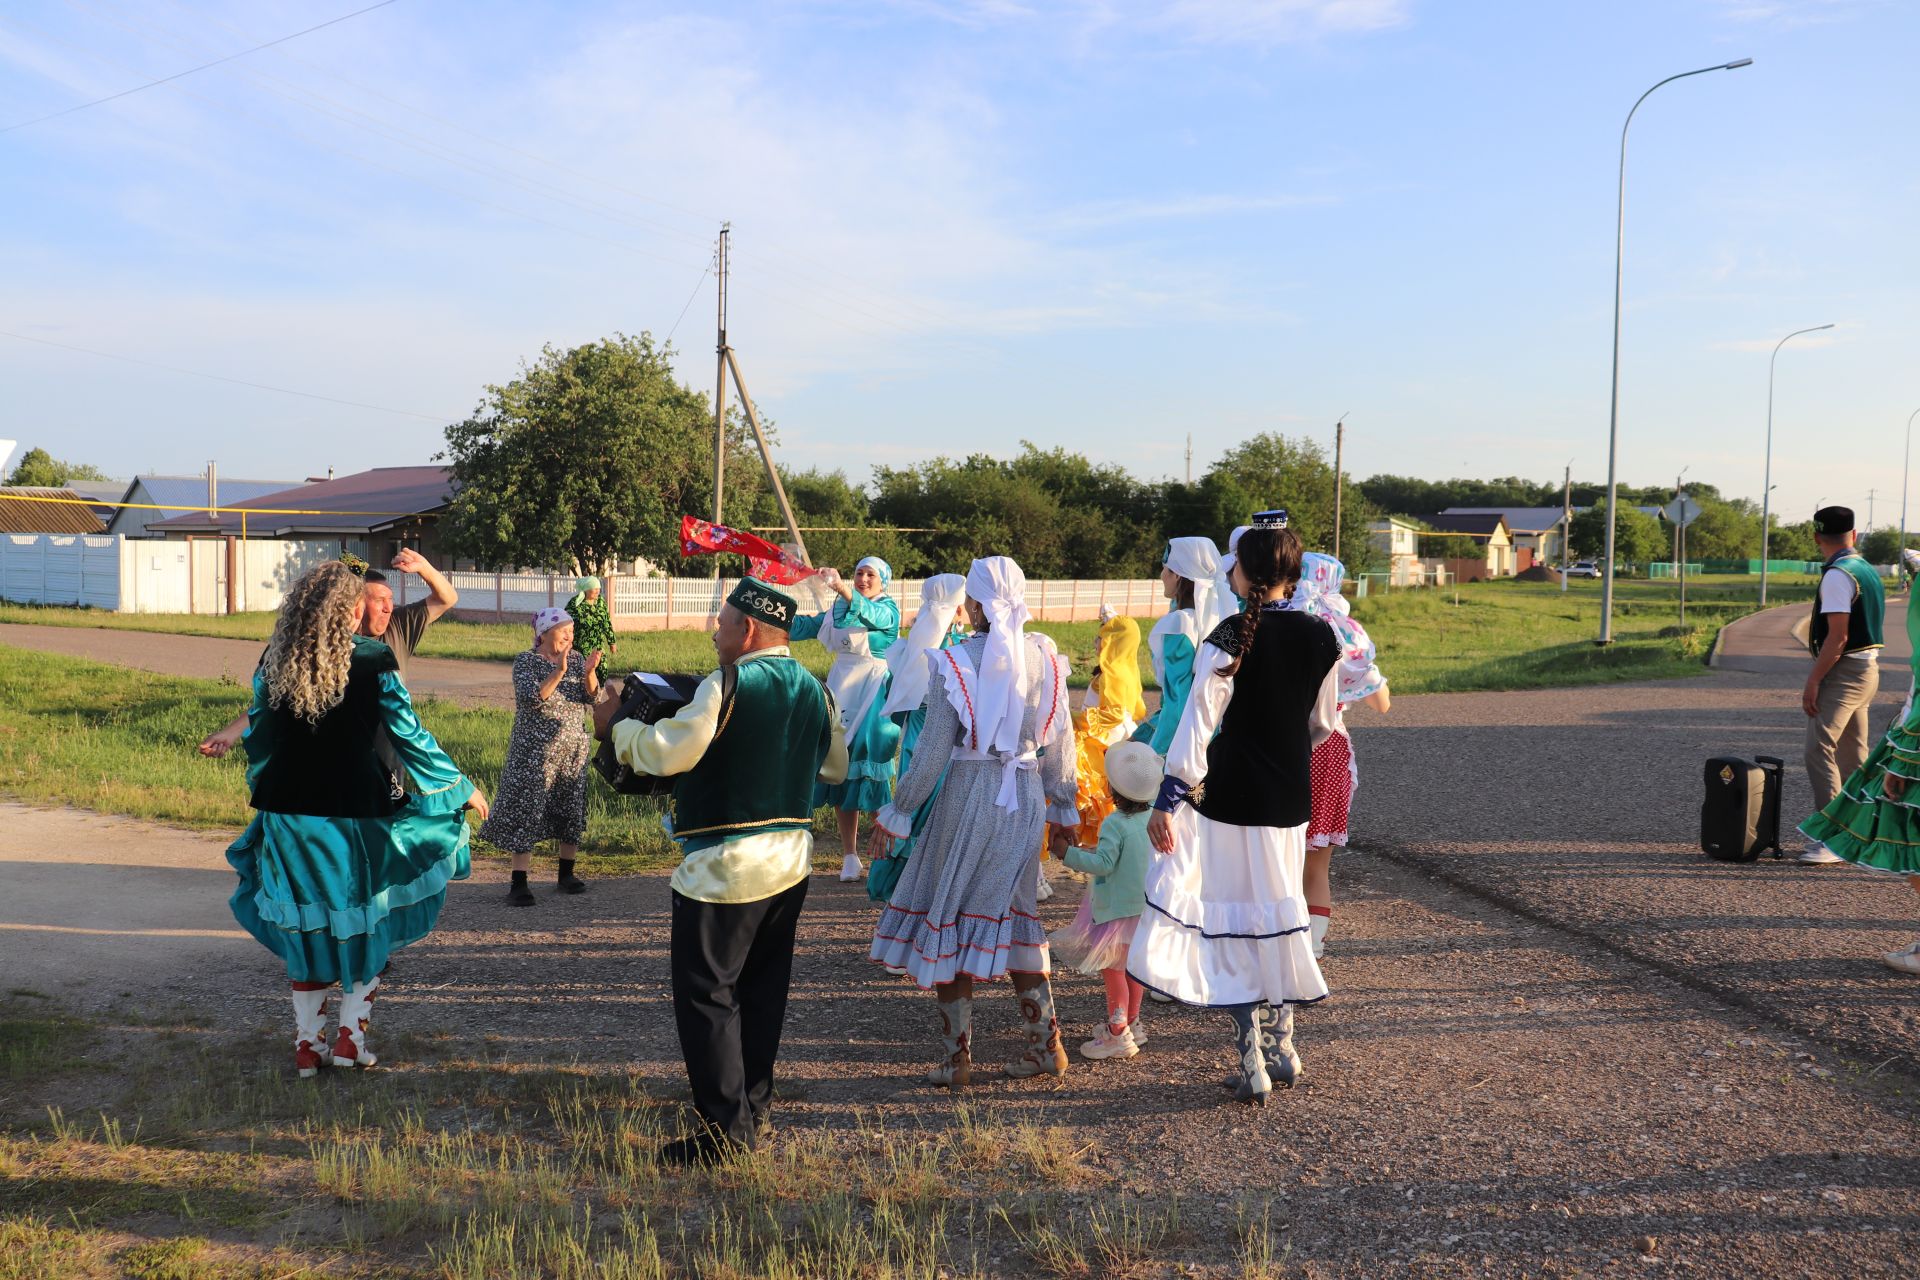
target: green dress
592 624
1864 825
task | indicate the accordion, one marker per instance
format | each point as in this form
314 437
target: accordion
646 697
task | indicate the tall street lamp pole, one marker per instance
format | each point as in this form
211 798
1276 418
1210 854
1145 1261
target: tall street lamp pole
1613 414
1766 495
1904 466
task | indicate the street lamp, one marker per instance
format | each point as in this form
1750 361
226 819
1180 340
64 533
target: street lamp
1613 413
1766 497
1908 460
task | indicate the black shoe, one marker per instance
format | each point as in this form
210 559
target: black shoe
687 1153
519 896
570 884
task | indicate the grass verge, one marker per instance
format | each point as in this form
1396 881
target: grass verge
212 1161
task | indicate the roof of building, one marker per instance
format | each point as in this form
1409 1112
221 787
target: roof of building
70 516
364 502
1519 519
1480 524
182 495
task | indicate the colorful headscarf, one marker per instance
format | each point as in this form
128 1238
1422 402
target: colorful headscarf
1318 593
581 585
1198 561
940 599
1001 588
547 619
878 565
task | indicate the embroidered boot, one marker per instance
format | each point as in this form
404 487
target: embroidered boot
356 1010
1263 1018
1283 1064
310 1027
956 1037
1248 1031
1045 1054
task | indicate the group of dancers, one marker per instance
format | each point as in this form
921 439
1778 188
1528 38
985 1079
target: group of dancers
1204 828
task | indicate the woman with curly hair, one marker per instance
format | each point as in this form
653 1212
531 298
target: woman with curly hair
341 864
1226 919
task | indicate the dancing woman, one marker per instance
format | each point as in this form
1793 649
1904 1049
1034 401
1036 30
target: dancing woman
858 631
940 624
998 730
341 866
1226 921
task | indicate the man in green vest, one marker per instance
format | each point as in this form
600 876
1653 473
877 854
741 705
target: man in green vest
745 759
1848 617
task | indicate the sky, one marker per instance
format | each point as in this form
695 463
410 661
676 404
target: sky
963 224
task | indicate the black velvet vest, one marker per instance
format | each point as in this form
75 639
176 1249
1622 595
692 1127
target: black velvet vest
1259 766
331 769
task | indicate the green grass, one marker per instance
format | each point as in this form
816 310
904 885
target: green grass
1528 635
204 1158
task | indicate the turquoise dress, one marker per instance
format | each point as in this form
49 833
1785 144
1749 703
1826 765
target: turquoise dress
885 873
1864 824
1171 645
333 896
858 632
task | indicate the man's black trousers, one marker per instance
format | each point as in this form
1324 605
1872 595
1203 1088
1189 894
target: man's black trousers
731 964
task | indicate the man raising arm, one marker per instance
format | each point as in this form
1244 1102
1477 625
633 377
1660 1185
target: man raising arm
744 765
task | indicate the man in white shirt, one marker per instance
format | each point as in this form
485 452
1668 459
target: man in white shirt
1848 618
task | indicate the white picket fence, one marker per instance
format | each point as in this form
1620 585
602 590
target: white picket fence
661 604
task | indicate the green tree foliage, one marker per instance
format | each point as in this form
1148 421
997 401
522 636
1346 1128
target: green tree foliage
837 512
1638 538
1405 495
592 454
1882 545
39 469
1273 470
1793 542
1450 546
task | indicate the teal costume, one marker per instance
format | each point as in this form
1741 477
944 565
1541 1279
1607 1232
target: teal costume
884 874
1171 645
858 632
340 867
1863 824
1865 618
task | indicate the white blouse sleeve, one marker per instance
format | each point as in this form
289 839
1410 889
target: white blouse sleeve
1326 708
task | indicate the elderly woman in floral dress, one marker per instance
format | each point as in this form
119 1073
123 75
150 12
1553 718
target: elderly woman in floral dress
543 789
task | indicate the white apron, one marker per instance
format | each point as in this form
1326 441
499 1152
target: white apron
857 679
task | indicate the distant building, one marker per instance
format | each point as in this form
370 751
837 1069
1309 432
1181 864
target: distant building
1397 539
1489 529
69 512
370 513
179 496
103 494
1535 532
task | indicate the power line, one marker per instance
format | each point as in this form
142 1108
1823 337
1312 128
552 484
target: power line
215 377
690 297
180 75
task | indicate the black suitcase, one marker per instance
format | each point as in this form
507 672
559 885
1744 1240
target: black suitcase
1741 814
650 697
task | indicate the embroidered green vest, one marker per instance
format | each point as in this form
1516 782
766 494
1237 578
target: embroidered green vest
759 771
1867 619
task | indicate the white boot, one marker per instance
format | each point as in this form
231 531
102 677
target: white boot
850 869
356 1011
1043 888
310 1031
1317 930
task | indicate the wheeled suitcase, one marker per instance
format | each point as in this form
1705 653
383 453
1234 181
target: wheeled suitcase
1741 813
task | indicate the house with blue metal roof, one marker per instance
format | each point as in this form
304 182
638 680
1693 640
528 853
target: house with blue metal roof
184 495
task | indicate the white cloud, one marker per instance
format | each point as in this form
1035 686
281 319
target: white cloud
1794 13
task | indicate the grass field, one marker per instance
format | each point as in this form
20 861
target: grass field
141 1145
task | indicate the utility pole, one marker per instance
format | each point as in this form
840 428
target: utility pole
1189 457
1869 511
1680 540
1566 526
1339 439
720 387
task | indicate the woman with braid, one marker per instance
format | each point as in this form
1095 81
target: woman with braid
341 866
1226 921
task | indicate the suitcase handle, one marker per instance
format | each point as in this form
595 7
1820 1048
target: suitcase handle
1777 767
1777 763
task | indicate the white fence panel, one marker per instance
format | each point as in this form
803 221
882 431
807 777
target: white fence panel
56 568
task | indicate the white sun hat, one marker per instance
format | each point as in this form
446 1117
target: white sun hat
1134 770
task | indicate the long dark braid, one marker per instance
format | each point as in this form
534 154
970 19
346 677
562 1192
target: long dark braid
1270 559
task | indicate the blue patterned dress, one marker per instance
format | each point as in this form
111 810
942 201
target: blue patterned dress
858 632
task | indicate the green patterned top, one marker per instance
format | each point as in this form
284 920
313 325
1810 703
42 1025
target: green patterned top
592 624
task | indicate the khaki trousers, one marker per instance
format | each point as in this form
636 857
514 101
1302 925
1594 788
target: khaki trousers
1837 737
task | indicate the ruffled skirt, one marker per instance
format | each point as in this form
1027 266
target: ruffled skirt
335 897
1866 826
1334 780
1092 948
1226 921
871 748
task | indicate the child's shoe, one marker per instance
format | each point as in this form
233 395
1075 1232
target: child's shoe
1106 1043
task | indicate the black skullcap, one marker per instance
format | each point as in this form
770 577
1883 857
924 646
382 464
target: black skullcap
1832 521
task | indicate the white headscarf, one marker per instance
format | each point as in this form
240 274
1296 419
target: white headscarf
1198 561
940 598
1000 701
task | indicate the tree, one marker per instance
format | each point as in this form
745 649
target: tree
1273 470
591 455
1793 542
1882 545
39 469
1637 537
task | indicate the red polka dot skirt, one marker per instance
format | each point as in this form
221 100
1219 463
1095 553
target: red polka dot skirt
1334 779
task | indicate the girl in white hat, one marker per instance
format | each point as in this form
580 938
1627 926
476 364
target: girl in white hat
1097 940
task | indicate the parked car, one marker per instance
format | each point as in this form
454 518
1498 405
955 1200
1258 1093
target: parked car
1584 569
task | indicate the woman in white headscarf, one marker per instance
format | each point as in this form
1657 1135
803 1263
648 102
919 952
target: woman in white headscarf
1188 574
999 730
858 631
940 624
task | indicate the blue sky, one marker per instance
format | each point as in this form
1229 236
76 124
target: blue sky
964 223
